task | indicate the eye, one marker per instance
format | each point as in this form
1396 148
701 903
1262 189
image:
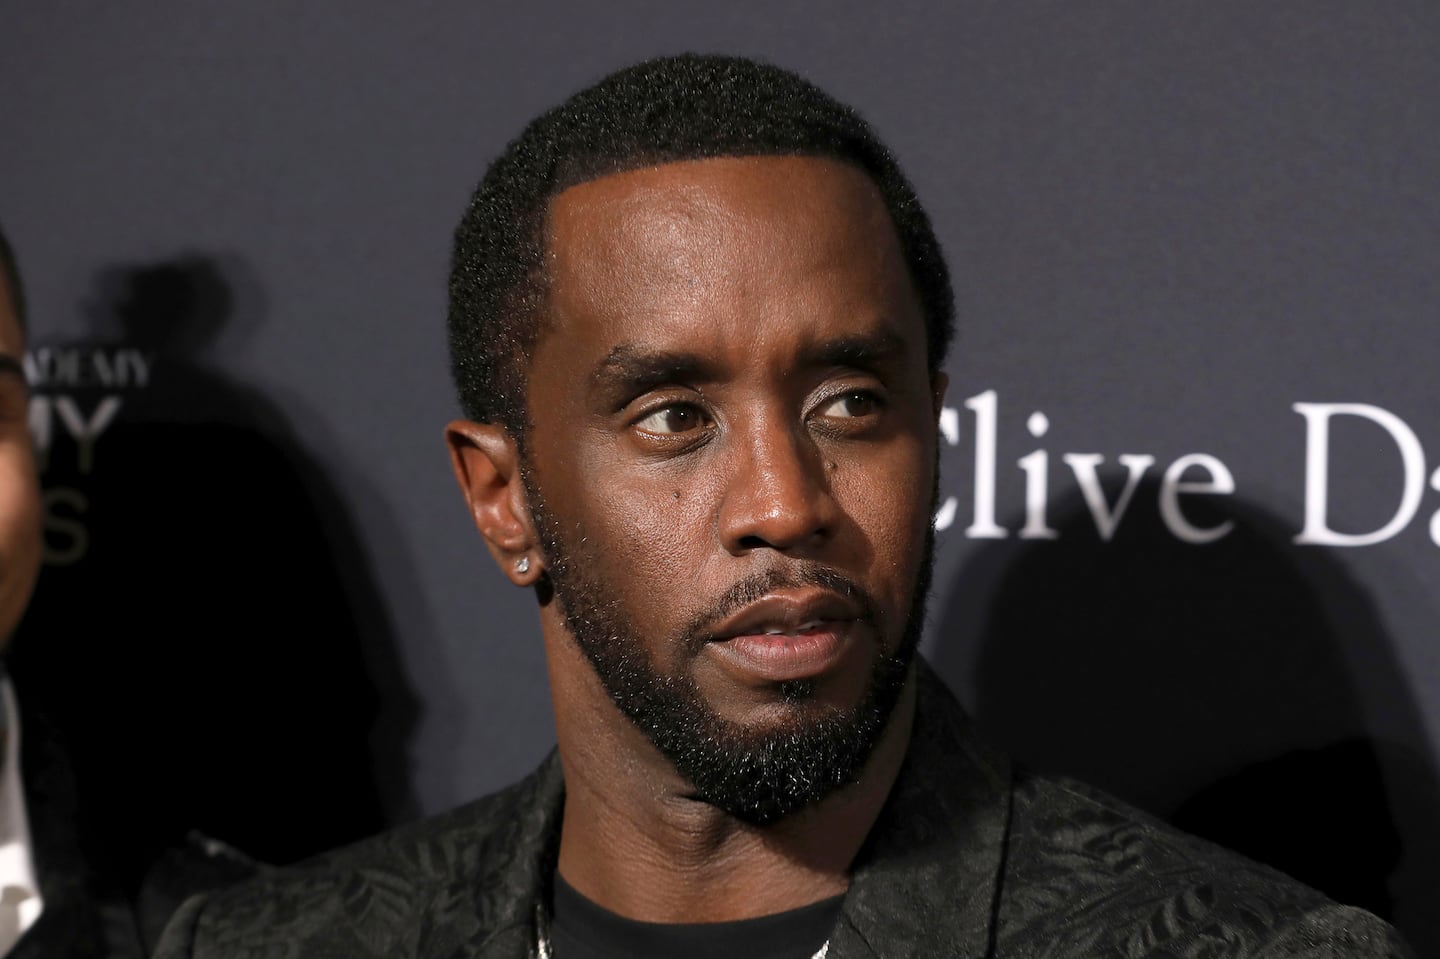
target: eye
673 419
850 405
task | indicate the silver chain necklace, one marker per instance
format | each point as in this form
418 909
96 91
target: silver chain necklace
542 938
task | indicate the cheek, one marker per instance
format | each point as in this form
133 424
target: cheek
642 518
20 544
19 500
889 501
658 534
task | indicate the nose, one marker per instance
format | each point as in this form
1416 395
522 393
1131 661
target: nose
777 495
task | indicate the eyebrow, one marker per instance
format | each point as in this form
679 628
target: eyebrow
860 350
638 369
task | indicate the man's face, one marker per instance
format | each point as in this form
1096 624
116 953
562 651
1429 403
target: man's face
19 488
731 464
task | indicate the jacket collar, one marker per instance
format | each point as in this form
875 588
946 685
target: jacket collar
926 882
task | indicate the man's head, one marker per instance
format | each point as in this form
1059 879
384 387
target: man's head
19 487
666 110
723 455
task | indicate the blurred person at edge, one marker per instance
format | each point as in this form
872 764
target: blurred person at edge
53 905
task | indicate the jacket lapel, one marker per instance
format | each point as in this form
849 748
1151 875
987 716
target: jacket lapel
70 925
516 874
927 882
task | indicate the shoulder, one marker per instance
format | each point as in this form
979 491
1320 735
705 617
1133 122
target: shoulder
418 890
1083 866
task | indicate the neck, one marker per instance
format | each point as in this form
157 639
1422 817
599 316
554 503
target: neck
635 842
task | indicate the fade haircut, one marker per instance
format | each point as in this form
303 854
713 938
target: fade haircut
666 110
10 272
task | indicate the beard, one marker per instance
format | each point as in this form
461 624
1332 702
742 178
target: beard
758 775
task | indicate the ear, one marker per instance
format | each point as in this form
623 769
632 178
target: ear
938 384
487 467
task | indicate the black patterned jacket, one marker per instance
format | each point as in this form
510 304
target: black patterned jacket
969 858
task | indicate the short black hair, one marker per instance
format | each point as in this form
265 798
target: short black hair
665 110
10 271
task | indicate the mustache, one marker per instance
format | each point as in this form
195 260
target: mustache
759 585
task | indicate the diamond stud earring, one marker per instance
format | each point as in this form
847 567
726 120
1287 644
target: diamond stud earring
522 565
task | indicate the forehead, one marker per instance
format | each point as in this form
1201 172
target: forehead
751 244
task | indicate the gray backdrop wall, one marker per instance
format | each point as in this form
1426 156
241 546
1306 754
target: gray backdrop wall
1190 540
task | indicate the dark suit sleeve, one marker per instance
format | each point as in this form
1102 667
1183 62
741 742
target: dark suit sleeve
178 940
1338 932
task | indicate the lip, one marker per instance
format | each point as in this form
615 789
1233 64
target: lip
788 635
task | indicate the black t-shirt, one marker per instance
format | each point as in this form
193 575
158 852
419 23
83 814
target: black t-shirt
582 930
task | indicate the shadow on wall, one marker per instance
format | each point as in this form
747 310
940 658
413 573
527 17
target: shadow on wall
207 634
1234 687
